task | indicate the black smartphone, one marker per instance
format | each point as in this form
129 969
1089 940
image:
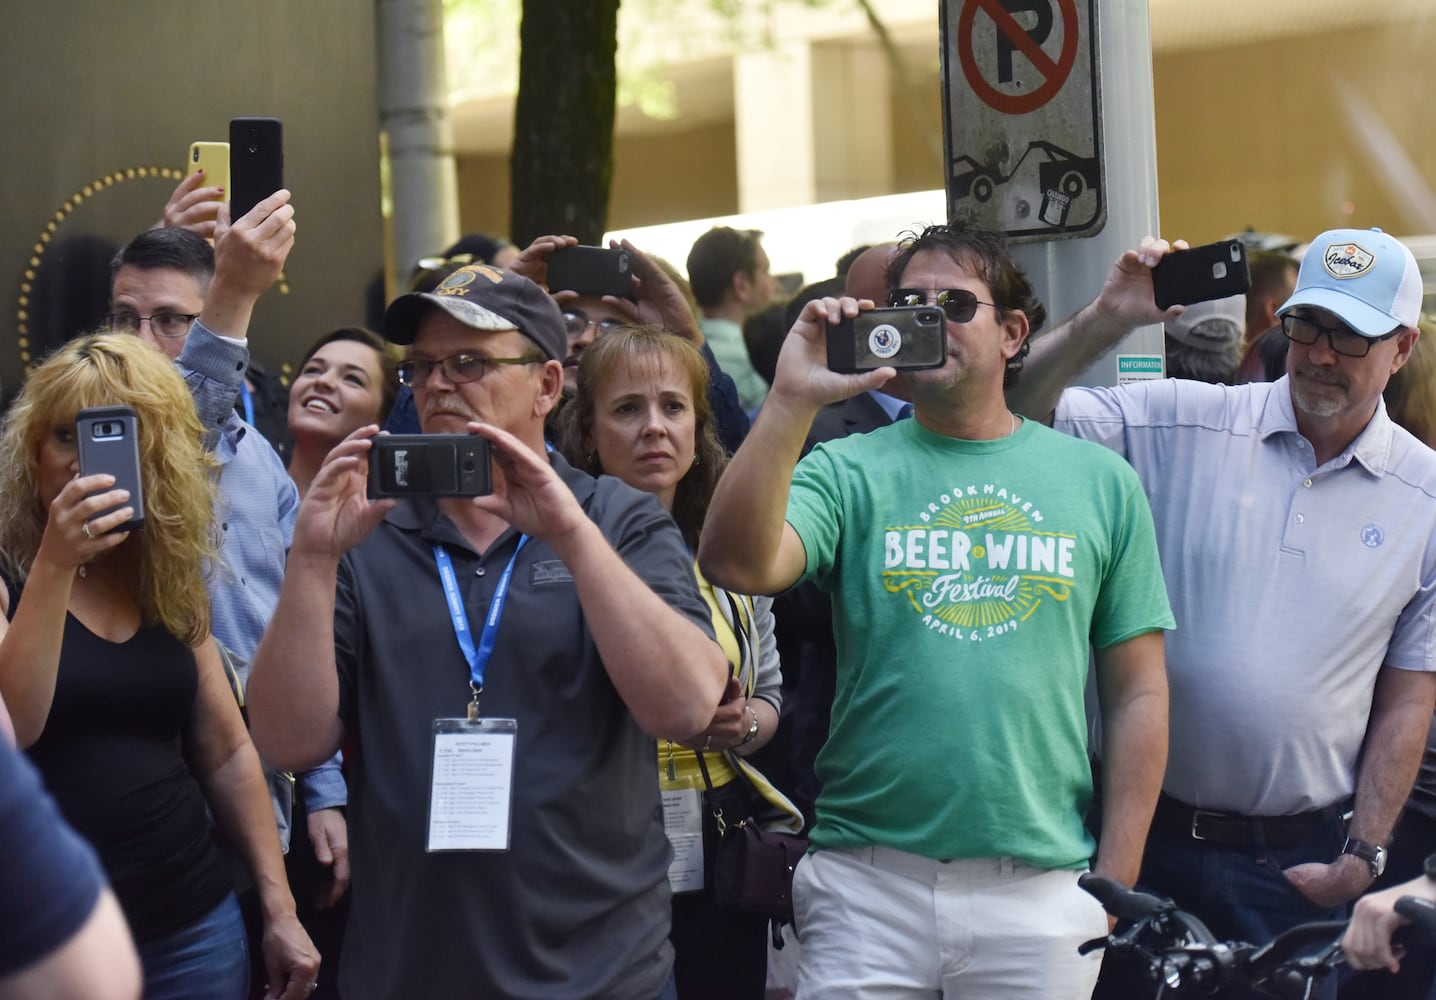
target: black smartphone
256 163
590 271
429 465
1213 271
903 337
108 439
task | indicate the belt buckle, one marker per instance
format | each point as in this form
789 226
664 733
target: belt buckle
1197 815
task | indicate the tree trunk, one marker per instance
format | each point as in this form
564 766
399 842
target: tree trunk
563 120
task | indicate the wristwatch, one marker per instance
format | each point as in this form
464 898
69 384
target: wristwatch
1373 854
752 733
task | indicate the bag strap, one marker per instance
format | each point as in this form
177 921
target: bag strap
712 799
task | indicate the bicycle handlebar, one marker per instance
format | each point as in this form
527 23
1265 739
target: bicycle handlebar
1120 901
1179 949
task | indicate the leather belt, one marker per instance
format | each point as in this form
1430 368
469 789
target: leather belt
1234 830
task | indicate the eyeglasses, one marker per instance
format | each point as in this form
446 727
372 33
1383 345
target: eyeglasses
1343 339
164 324
458 368
957 304
576 321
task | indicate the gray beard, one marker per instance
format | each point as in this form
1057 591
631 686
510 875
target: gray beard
1315 406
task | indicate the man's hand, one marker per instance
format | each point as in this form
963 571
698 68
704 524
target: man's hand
528 494
1331 885
1367 941
532 263
248 258
803 374
329 836
337 514
1127 299
290 959
194 205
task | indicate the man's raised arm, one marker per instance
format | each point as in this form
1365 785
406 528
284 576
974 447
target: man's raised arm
747 544
1066 351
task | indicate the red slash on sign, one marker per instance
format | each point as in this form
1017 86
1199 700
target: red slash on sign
1052 74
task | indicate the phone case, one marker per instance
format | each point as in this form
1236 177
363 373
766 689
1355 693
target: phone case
907 338
108 440
429 465
213 158
590 271
256 163
1213 271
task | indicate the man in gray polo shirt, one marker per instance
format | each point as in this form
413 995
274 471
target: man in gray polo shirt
1297 530
561 611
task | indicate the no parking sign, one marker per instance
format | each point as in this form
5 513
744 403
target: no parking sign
1023 125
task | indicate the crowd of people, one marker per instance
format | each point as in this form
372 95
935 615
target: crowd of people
970 630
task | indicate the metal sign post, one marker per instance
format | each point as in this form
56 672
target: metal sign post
1051 139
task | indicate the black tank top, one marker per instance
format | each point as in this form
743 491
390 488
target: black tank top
112 756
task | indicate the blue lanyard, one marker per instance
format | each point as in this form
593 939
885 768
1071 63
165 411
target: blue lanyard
248 403
477 657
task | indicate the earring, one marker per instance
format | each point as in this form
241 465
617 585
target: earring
695 458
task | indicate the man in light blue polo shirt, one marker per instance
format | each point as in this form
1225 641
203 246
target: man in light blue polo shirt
1297 530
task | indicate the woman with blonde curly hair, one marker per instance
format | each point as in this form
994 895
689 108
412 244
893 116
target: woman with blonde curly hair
640 412
113 682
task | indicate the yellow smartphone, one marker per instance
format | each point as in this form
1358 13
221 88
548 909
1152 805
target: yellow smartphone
213 159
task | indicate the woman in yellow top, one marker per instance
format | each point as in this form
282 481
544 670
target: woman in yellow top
641 413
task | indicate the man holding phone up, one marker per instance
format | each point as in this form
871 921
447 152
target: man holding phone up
502 665
1298 532
971 557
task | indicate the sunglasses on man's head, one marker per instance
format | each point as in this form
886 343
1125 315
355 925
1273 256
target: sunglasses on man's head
957 304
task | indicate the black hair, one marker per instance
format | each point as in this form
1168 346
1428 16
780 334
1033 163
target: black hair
177 249
990 258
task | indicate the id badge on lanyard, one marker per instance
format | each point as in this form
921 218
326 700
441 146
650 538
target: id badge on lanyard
471 770
471 782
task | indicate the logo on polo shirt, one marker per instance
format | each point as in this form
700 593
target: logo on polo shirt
1372 536
978 562
1347 260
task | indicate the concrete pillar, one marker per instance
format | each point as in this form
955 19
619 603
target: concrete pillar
812 123
422 200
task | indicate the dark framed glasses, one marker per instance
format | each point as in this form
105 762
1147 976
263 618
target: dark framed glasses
1302 329
164 324
575 321
457 368
957 304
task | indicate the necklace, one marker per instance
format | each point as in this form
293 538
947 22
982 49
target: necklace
1014 425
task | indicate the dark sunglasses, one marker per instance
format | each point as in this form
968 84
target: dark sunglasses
957 304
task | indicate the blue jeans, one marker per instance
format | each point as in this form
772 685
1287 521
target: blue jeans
208 960
1240 894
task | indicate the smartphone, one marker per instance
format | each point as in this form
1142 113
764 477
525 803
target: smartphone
109 441
429 465
1213 271
903 337
256 163
213 159
590 271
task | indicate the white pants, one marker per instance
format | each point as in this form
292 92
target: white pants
876 923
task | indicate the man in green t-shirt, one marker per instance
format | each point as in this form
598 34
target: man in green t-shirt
974 561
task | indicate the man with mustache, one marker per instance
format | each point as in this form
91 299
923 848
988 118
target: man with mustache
501 666
1298 537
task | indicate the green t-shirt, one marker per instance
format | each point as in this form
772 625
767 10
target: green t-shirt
969 580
